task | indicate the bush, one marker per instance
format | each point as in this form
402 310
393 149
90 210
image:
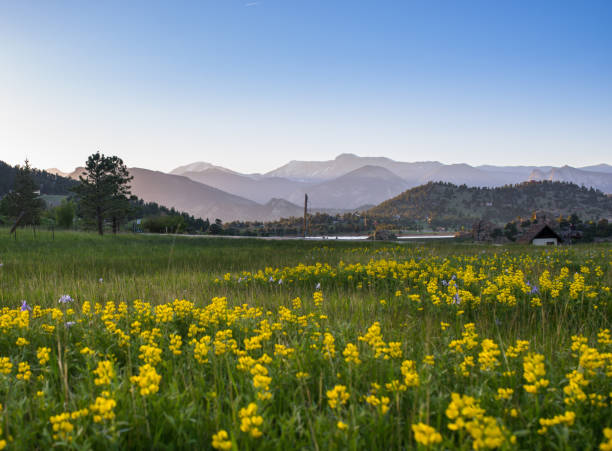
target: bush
64 214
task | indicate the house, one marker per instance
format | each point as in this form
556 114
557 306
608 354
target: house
540 235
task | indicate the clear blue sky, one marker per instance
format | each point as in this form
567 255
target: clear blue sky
252 84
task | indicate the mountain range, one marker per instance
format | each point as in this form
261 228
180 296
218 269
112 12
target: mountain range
346 183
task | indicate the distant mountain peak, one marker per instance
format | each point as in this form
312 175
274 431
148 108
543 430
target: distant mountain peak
56 171
345 156
198 166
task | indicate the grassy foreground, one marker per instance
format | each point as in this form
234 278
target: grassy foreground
190 343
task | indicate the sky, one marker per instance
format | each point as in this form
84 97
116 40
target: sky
251 85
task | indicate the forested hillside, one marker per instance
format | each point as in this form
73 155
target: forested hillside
445 204
48 183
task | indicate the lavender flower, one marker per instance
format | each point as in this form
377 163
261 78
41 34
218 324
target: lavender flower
271 279
25 306
65 299
69 323
445 283
280 282
318 286
457 299
100 280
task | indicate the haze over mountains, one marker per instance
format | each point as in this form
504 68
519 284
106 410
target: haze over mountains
347 182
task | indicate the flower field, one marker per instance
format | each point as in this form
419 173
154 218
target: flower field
297 345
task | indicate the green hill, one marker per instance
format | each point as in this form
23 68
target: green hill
445 204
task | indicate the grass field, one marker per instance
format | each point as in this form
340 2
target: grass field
196 343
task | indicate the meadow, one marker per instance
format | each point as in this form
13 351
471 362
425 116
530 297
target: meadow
158 342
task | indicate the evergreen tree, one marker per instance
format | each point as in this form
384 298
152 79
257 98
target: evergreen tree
25 197
103 190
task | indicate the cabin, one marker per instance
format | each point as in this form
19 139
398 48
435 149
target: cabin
540 235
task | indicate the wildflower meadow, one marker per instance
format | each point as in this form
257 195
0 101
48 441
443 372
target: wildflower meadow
185 343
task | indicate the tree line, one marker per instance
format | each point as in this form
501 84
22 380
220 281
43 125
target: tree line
100 199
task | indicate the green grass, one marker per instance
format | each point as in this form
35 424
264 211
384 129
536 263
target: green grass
197 399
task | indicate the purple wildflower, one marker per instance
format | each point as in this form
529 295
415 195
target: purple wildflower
65 299
445 283
25 306
457 299
69 323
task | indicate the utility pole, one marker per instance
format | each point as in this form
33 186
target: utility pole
305 212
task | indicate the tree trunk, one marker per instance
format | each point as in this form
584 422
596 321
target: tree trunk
115 225
100 221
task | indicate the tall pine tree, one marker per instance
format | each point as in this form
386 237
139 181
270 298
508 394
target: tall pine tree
103 190
25 197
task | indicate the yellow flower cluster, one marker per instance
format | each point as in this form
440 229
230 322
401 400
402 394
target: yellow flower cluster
62 426
23 371
147 380
517 349
504 393
567 418
250 422
42 354
607 444
534 372
221 440
150 354
466 413
411 377
381 404
426 435
201 348
487 359
5 365
104 373
261 381
338 396
373 337
351 354
329 347
2 441
102 408
175 344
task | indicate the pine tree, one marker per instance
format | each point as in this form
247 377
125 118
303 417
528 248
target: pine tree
25 197
103 190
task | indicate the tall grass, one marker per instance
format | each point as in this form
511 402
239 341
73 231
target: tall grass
204 388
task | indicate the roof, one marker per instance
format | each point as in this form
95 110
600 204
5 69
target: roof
538 231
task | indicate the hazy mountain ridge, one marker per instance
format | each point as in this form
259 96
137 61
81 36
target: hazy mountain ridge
345 163
601 180
202 200
365 185
260 189
345 183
